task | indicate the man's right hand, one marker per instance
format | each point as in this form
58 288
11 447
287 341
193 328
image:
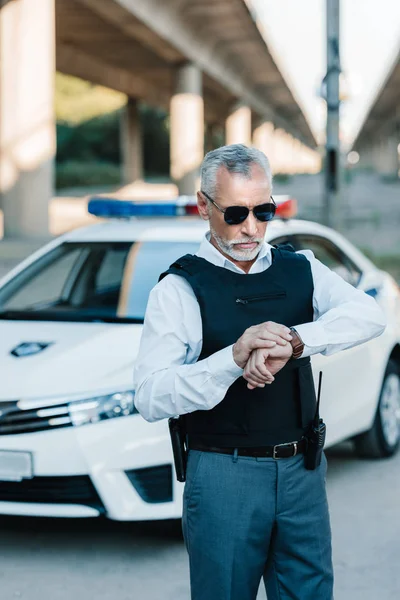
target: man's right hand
265 335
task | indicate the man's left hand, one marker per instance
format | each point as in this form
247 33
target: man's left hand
264 363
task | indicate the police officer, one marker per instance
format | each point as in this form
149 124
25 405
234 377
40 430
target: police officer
226 342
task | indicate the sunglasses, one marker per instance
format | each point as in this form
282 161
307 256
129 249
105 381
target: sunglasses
234 215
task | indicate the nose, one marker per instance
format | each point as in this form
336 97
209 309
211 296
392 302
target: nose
250 226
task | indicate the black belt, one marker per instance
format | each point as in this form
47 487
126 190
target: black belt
278 451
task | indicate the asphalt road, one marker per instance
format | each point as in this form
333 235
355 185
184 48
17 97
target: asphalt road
104 560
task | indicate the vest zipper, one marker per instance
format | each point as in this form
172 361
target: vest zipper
257 298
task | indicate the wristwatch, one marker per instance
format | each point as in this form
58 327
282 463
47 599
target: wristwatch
297 343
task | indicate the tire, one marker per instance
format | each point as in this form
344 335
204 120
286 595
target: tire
171 528
383 439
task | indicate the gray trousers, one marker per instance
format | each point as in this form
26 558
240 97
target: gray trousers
247 518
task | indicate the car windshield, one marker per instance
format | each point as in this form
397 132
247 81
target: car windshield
90 281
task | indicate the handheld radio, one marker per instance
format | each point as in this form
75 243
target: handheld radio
315 436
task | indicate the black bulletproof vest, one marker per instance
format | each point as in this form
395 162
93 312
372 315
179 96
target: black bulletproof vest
230 303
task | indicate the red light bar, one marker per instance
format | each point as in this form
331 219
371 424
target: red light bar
286 209
191 209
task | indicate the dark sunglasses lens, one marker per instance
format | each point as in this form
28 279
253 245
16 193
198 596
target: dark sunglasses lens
264 212
236 214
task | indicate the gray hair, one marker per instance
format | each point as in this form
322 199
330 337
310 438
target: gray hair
236 158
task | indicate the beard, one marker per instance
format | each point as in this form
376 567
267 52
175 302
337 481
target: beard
228 247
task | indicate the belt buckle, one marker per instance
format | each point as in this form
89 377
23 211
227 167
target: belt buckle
295 448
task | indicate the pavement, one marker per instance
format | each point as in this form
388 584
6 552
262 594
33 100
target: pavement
42 559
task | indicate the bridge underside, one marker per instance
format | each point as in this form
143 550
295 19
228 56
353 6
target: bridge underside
379 137
203 61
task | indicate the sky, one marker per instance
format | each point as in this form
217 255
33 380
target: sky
295 31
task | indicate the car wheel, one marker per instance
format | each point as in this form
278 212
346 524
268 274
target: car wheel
384 436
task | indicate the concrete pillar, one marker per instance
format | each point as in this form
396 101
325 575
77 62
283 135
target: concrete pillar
298 150
187 128
387 156
390 162
299 157
368 160
291 154
280 152
376 155
238 125
131 142
27 124
366 157
263 139
302 158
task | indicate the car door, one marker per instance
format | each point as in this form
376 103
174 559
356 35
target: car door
348 375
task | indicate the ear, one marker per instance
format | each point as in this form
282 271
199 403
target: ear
203 207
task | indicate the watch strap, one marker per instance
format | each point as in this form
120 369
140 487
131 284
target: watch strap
297 343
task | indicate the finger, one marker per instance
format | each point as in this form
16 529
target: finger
262 370
261 385
255 371
253 387
282 342
271 337
284 352
254 380
257 368
278 339
250 372
261 342
277 329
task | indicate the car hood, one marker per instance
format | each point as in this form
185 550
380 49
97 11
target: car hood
65 358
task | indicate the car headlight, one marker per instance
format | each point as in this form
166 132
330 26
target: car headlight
110 406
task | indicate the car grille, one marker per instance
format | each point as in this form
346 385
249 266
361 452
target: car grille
72 489
153 484
14 420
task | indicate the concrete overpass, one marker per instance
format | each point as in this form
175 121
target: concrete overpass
205 61
378 140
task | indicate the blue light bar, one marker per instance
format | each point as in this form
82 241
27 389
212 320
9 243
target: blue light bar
110 207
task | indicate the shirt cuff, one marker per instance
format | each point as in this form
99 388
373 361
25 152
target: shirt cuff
313 336
223 368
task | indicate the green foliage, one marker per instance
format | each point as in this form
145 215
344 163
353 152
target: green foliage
88 132
389 177
155 132
77 100
282 177
82 174
96 139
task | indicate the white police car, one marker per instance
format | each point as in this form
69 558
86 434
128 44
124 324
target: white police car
71 441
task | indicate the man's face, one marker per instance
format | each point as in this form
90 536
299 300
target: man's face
240 242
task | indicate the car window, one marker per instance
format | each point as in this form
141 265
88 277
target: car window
284 240
42 283
91 281
149 260
110 271
331 255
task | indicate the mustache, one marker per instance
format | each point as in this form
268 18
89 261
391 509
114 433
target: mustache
247 241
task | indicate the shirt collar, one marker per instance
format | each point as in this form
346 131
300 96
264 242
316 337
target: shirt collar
213 255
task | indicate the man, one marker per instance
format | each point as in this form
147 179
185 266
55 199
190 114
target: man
218 348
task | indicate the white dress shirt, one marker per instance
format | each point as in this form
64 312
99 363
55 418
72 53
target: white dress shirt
168 379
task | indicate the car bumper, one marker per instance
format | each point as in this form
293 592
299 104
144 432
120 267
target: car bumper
121 468
31 509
